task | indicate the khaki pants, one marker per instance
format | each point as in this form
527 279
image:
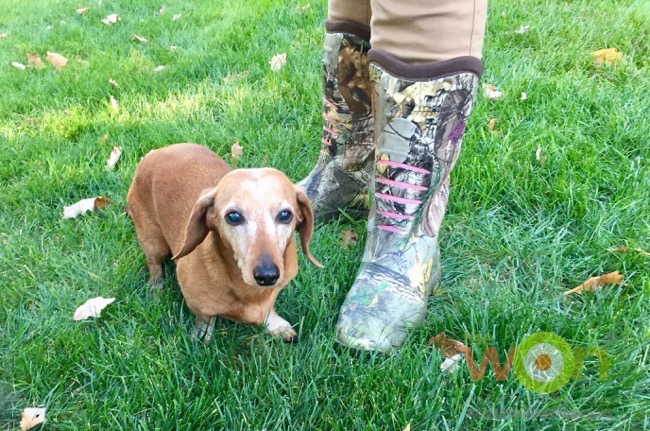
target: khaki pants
418 31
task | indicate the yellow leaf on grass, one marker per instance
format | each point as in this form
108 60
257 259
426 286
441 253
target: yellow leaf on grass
607 56
111 19
302 9
348 238
491 92
3 35
139 39
539 156
492 123
234 76
278 61
33 58
18 65
176 17
162 11
114 105
236 151
448 346
595 282
624 249
32 417
113 83
83 10
91 308
452 350
114 157
56 60
85 205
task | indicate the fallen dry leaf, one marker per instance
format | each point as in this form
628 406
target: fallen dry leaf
451 365
623 249
234 76
159 68
114 105
491 92
80 59
111 19
83 10
139 39
92 308
172 47
523 29
3 35
176 17
451 349
277 61
32 417
448 346
539 156
18 65
492 123
116 153
348 238
524 96
162 11
56 60
607 56
113 83
85 205
595 282
407 427
236 151
33 58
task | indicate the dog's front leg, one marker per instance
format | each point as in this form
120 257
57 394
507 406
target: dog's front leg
276 325
203 329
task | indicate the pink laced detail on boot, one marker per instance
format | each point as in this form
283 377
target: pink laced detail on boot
397 199
329 130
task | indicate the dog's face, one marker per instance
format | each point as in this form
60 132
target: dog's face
255 212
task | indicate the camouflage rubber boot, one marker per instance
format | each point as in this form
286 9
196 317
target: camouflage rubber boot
340 178
420 116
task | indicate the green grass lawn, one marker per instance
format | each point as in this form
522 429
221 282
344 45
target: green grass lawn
518 232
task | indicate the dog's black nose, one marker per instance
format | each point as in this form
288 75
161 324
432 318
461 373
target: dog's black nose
266 274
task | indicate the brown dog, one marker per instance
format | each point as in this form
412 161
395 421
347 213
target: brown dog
229 231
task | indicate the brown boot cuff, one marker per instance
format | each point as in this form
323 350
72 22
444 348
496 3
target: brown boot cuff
424 72
351 27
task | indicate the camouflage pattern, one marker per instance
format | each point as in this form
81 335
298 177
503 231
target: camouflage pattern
341 176
420 125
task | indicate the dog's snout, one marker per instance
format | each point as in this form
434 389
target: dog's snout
266 273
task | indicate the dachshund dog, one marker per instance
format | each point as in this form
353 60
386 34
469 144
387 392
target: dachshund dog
230 232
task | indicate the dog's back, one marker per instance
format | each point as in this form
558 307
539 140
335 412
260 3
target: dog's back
167 183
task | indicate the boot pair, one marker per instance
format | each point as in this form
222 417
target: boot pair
392 134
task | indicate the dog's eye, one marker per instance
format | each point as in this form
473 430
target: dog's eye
234 218
285 216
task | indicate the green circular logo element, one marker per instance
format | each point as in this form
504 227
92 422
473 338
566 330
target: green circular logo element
543 362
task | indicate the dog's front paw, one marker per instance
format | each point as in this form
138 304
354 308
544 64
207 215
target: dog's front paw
277 326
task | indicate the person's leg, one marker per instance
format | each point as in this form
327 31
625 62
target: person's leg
340 178
424 68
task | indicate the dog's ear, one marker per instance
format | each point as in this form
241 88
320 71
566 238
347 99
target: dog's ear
305 225
197 227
